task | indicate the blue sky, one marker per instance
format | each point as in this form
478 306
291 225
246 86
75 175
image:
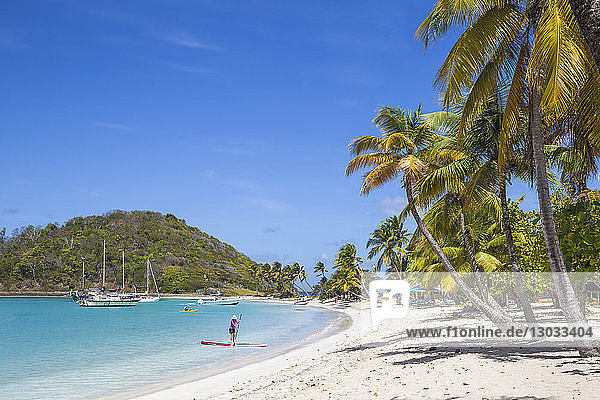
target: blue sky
234 116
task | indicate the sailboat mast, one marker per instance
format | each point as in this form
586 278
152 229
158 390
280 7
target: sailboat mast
123 271
148 275
153 279
103 264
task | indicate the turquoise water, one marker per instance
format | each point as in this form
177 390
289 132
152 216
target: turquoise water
52 349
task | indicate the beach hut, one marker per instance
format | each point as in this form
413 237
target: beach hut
419 296
593 290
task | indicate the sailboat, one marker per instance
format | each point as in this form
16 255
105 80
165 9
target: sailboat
104 299
218 300
146 297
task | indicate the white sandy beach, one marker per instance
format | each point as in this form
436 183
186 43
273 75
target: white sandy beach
358 364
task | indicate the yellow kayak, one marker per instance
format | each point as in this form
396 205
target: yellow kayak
188 310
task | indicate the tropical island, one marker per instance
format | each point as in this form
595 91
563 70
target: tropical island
187 260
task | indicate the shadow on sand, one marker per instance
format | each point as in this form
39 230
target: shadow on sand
418 355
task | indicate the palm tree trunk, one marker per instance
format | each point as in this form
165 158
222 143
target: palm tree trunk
297 288
398 269
304 287
581 295
514 260
468 243
564 289
495 316
309 285
587 14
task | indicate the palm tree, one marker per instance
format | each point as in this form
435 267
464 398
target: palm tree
405 135
349 274
266 275
347 257
345 280
278 276
388 241
303 279
488 240
536 47
256 274
468 172
460 181
289 277
320 269
300 274
587 13
572 150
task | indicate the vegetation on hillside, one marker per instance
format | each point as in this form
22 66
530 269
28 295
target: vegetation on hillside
184 258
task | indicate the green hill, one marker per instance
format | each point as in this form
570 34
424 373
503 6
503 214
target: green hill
184 258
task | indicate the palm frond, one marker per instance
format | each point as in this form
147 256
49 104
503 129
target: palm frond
380 175
369 160
559 51
363 144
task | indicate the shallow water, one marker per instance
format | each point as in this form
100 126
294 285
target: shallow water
52 349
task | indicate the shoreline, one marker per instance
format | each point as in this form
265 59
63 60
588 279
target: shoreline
183 296
208 383
34 294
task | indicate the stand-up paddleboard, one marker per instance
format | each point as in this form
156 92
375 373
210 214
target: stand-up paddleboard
235 342
238 344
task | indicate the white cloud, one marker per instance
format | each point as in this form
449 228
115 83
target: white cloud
271 229
110 125
186 40
392 206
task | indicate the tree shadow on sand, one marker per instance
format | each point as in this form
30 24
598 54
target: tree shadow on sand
498 398
504 354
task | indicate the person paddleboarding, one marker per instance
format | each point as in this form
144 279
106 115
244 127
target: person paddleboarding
233 327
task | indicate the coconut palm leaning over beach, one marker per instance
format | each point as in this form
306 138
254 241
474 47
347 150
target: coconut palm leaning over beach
536 48
405 138
466 179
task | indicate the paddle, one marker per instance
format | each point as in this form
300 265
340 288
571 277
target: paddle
237 330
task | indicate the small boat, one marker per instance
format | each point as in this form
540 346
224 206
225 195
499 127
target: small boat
194 310
217 300
103 298
108 300
238 344
146 297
